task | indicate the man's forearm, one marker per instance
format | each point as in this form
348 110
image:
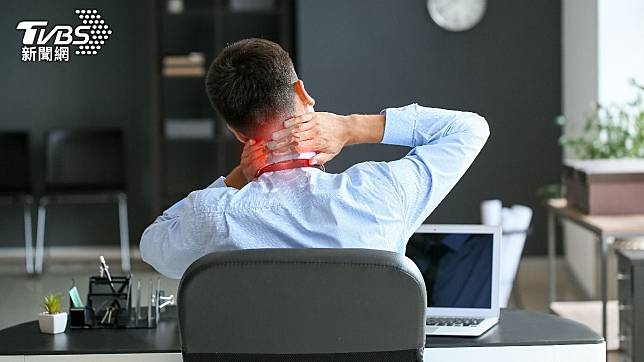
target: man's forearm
365 128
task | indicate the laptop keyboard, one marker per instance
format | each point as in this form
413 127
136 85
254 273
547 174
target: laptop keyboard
453 322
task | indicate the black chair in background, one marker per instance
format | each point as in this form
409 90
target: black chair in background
302 305
15 186
84 166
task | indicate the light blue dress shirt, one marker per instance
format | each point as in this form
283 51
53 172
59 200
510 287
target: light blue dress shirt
374 205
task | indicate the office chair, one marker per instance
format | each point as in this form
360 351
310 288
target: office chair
84 166
15 185
302 305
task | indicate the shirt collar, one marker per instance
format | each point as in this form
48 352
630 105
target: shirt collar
287 161
286 165
290 156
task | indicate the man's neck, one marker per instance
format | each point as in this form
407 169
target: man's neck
290 156
286 161
287 165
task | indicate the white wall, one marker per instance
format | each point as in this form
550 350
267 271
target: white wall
580 80
579 60
602 48
620 50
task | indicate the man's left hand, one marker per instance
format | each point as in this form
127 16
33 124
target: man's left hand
321 132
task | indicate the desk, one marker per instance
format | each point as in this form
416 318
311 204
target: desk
520 336
607 228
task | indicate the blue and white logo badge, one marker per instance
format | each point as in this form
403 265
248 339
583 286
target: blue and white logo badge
40 44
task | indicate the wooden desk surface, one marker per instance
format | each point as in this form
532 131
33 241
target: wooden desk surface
604 225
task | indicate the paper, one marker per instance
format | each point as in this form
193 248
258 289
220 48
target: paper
515 222
76 299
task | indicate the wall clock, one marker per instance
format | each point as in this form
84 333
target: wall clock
456 15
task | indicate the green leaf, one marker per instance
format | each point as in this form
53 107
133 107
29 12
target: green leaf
52 303
621 128
561 120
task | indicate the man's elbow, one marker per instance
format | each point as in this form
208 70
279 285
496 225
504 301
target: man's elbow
151 251
480 126
145 247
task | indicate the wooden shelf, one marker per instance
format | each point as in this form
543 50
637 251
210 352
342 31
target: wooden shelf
611 225
205 27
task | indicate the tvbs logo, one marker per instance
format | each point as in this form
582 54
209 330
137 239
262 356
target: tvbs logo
62 33
43 43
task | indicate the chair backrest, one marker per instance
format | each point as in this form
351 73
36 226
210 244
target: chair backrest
84 160
14 162
302 305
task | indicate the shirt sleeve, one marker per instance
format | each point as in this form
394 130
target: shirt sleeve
444 142
218 183
167 244
170 244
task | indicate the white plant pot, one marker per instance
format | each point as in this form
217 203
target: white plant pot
52 323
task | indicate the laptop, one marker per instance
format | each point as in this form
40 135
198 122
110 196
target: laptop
460 266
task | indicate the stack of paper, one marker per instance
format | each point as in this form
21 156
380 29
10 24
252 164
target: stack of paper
515 222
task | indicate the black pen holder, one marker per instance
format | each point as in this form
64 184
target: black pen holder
108 304
110 301
81 317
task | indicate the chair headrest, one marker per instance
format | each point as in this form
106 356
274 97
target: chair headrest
302 301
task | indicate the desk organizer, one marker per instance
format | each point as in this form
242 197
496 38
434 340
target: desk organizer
110 305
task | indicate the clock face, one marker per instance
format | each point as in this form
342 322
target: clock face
456 15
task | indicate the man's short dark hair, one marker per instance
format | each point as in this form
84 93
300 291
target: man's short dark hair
250 83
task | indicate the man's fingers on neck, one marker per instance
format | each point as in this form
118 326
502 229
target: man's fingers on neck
321 159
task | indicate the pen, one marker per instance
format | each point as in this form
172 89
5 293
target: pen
105 268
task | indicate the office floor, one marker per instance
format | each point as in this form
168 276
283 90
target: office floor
20 294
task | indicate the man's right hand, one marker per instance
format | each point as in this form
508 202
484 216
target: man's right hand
320 132
253 158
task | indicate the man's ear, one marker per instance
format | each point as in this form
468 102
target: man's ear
302 94
240 136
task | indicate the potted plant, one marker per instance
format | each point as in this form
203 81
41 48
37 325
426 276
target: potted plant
52 320
610 132
606 173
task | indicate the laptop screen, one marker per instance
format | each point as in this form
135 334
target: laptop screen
457 268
